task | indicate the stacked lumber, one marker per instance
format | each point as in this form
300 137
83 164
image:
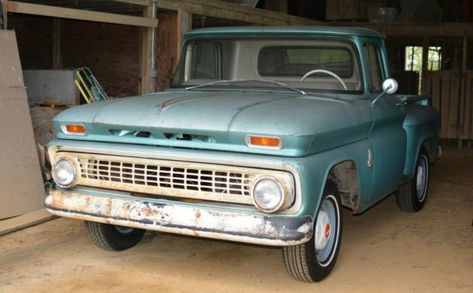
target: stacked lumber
41 118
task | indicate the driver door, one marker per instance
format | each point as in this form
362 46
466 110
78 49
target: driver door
387 136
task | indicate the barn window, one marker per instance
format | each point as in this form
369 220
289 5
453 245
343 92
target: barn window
413 60
434 59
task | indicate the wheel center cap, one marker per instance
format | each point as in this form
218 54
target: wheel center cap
323 230
327 231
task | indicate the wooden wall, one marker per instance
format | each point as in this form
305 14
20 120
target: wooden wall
167 48
35 39
111 51
342 9
452 95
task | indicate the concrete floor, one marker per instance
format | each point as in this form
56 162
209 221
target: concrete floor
382 250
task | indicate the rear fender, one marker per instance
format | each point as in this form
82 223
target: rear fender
422 130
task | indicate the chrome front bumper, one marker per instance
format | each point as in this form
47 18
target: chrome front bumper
180 218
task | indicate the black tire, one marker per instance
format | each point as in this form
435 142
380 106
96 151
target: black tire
306 263
412 195
111 237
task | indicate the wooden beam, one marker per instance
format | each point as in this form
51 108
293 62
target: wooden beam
135 2
416 29
148 70
24 221
231 11
60 12
184 24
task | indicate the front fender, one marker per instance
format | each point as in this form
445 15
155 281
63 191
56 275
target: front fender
315 171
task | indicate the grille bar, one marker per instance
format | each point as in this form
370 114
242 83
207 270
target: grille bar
164 176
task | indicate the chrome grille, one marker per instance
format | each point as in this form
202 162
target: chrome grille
155 178
164 176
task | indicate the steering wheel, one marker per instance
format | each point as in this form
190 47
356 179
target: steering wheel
326 72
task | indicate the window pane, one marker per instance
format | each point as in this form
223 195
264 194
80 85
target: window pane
374 65
278 59
413 58
204 60
434 58
296 61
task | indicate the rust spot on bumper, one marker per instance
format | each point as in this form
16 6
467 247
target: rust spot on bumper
165 216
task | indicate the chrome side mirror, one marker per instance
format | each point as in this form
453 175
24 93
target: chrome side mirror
390 86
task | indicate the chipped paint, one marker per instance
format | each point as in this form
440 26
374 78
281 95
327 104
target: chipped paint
306 228
249 227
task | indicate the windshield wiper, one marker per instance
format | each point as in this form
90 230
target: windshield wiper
281 84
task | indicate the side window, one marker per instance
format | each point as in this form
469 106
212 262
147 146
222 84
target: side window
374 68
205 60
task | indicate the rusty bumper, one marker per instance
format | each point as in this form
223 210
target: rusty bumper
181 218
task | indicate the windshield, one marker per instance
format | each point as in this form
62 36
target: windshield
334 64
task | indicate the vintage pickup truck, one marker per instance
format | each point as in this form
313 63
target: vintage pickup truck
265 134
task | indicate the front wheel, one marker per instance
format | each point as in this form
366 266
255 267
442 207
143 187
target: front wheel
411 196
111 237
315 259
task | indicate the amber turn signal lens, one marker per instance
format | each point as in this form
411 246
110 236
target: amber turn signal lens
74 129
264 141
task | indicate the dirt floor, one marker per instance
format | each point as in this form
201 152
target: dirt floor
382 250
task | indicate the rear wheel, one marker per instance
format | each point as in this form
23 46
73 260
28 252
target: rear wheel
411 196
314 260
111 237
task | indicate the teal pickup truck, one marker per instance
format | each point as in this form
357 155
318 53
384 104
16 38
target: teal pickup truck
265 134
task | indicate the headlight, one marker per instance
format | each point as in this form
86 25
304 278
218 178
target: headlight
268 195
64 173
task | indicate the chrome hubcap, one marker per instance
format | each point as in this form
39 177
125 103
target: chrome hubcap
327 230
421 179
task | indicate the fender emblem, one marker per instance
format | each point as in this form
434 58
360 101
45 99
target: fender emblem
369 162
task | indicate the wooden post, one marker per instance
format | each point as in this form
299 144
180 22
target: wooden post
184 24
425 60
425 54
166 47
148 72
3 4
465 51
462 99
57 54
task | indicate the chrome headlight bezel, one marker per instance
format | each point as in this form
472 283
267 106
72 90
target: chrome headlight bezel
74 172
282 202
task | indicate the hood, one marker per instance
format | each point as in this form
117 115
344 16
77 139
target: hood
222 120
